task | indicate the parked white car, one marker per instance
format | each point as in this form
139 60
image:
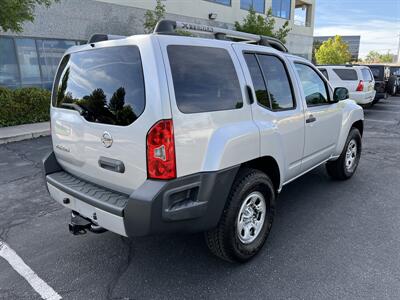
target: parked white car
357 79
163 133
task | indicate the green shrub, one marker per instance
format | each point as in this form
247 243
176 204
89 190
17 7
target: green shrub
23 106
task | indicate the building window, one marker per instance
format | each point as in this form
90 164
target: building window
281 8
224 2
9 74
50 53
258 5
28 62
302 14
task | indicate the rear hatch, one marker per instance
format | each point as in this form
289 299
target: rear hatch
98 117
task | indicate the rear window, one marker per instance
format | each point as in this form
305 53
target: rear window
204 79
377 72
346 74
366 75
104 85
395 71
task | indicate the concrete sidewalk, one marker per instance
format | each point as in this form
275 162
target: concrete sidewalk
23 132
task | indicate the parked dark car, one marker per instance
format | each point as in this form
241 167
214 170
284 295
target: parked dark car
385 83
395 71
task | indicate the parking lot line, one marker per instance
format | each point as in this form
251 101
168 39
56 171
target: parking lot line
381 121
41 287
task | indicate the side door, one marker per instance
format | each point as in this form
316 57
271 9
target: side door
322 117
277 109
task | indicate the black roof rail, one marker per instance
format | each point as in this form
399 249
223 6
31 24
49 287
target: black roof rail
99 37
171 27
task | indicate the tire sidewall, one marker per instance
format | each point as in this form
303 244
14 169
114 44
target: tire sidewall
262 184
353 135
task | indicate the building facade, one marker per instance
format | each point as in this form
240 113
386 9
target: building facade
30 58
352 40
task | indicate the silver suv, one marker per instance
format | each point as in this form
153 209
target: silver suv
164 133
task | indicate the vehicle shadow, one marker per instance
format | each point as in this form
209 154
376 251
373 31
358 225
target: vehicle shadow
181 266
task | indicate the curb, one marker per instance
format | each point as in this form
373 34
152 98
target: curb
23 132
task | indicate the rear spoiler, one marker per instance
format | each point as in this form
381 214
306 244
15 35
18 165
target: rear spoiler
173 27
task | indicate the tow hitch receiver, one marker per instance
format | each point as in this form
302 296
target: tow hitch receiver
80 225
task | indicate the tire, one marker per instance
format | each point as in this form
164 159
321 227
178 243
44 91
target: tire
386 95
394 90
345 166
233 239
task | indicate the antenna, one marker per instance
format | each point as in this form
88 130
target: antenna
170 28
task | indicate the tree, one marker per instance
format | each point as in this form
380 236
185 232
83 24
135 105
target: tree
376 57
13 13
151 18
333 52
316 45
258 24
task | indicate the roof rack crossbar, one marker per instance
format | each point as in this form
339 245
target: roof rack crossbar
171 27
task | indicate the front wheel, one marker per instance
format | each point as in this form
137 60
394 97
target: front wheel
345 166
247 218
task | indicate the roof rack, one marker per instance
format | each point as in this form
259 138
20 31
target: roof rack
171 27
99 37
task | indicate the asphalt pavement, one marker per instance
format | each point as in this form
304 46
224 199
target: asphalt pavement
330 239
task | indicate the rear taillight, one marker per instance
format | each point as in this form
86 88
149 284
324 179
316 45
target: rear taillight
161 163
360 86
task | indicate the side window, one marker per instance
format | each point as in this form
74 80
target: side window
204 79
325 73
346 74
258 80
314 87
277 80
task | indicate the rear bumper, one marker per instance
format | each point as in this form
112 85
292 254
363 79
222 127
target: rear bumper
362 98
187 204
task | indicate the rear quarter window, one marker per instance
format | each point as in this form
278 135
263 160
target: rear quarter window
366 74
104 85
346 74
204 79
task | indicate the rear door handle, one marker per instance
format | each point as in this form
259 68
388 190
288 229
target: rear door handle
311 119
111 164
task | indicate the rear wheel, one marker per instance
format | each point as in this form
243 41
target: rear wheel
345 166
246 220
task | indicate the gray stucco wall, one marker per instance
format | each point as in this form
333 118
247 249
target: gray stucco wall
79 19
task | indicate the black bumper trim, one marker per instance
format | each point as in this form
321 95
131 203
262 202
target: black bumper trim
186 204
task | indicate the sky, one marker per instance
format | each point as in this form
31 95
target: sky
376 21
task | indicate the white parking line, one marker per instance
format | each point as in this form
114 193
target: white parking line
381 121
41 287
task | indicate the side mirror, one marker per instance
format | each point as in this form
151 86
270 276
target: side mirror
340 93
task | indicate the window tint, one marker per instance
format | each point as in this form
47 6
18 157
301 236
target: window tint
50 52
281 8
258 80
28 62
104 85
346 74
377 72
257 5
314 87
366 75
277 80
325 73
9 74
204 79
